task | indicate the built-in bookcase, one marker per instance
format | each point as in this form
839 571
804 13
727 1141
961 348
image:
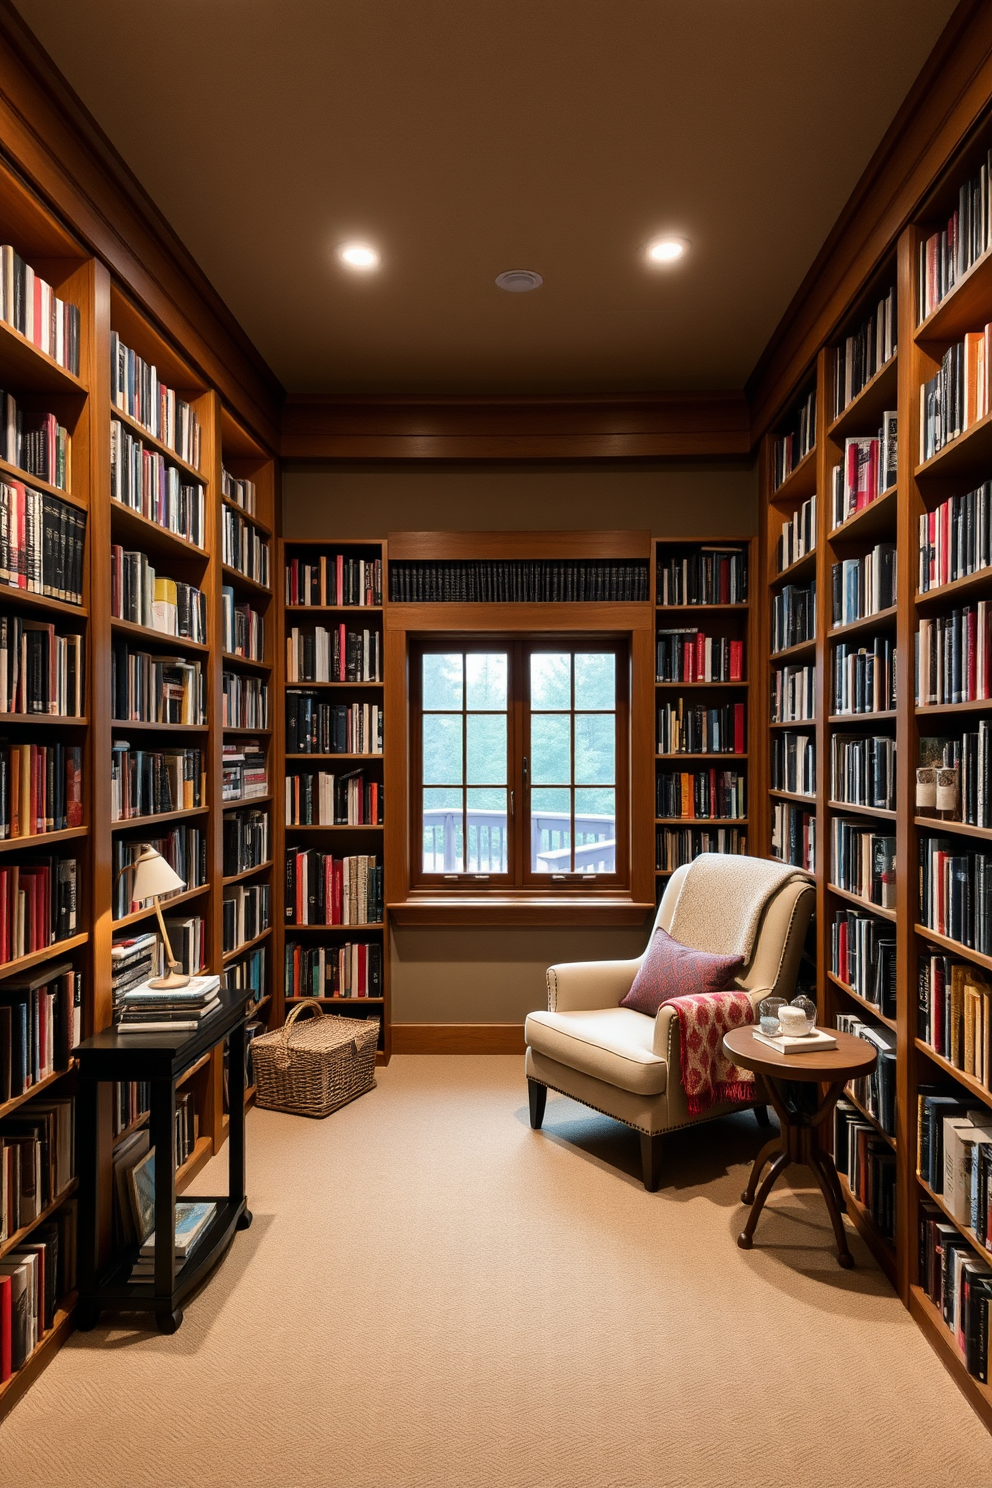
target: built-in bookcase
331 598
704 655
881 932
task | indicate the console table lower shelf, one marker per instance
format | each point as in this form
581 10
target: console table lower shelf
162 1060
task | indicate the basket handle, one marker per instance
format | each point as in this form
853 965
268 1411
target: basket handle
311 1005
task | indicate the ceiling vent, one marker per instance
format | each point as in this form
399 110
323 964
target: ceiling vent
519 281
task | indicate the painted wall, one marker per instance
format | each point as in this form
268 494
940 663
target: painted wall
497 975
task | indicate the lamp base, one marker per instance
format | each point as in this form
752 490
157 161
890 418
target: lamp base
171 980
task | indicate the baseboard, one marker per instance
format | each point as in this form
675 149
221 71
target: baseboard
458 1038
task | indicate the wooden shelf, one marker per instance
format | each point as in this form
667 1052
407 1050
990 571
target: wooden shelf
378 757
700 821
671 609
297 929
47 1346
867 625
42 720
153 443
247 945
966 1230
194 1069
970 453
333 609
8 1107
976 705
863 414
250 665
151 536
129 725
875 520
882 1249
792 723
869 1117
945 1346
233 878
156 819
42 839
236 579
863 1002
247 516
845 718
971 1083
704 686
704 756
798 652
12 594
800 568
240 801
800 483
941 596
965 952
136 915
336 827
960 829
203 1150
19 1236
844 807
337 1001
866 904
9 472
26 366
156 637
58 948
781 795
962 309
306 686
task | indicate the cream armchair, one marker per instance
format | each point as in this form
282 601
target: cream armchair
627 1065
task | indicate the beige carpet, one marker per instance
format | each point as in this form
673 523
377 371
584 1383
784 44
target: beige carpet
433 1296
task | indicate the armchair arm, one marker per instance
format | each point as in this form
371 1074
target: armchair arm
581 986
662 1023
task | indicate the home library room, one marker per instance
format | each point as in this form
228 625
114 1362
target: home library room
880 784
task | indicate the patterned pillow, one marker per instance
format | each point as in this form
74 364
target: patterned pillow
670 969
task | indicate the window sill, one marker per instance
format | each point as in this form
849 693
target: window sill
523 909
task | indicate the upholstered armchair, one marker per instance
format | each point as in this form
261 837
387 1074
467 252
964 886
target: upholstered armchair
628 1065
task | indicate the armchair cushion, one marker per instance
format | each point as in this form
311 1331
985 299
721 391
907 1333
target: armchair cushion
611 1044
670 969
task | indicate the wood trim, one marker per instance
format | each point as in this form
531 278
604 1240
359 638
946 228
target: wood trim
440 547
943 105
639 426
458 1038
50 136
428 907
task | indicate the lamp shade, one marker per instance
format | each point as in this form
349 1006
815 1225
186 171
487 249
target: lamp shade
153 876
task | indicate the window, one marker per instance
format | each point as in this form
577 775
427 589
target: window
519 762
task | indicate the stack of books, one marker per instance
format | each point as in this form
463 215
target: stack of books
148 1009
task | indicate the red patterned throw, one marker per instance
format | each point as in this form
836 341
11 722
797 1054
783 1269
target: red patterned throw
708 1076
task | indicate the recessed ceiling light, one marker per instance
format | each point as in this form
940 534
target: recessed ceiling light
519 281
358 256
668 250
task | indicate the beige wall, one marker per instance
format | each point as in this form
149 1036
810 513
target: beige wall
491 975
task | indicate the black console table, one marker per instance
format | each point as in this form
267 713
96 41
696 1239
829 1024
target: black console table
162 1059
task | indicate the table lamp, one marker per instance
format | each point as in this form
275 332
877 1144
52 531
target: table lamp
153 877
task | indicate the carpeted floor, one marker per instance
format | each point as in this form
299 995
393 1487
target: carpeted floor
433 1296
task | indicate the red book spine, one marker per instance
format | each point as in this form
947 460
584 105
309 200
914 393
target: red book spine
342 653
971 654
328 866
363 985
339 579
738 728
700 658
737 661
4 915
337 886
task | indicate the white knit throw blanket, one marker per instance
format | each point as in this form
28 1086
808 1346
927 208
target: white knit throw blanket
722 899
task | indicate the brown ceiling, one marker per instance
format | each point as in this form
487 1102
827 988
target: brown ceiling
465 137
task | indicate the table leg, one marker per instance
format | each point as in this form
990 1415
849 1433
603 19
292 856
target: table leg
87 1313
746 1238
747 1197
236 1130
163 1134
826 1176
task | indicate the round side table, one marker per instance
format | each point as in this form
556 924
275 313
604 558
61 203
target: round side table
796 1142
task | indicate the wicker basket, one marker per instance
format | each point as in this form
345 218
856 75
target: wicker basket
315 1068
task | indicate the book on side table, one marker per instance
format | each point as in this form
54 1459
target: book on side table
807 1043
148 1009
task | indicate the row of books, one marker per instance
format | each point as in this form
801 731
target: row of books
246 840
864 352
862 586
868 1164
334 579
41 788
148 688
792 448
151 782
34 1278
335 655
317 727
957 1282
144 597
134 958
353 969
956 892
940 1116
184 848
947 255
244 701
242 628
325 800
41 543
798 535
793 691
146 482
677 845
866 471
244 548
240 490
687 655
957 394
35 442
38 905
151 1009
956 538
245 914
132 1100
518 581
874 1092
29 304
37 1161
793 616
863 770
793 763
863 861
244 775
248 974
863 957
40 1023
954 655
864 676
706 576
324 890
971 754
953 1012
41 671
694 728
794 835
137 390
705 793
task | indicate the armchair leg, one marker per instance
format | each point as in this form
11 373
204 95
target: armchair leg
537 1094
651 1161
761 1116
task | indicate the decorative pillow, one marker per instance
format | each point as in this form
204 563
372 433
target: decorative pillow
670 969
